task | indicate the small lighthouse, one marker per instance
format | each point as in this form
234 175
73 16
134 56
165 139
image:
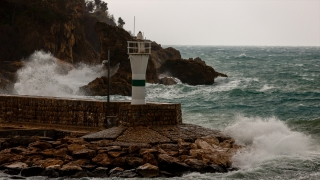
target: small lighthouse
139 52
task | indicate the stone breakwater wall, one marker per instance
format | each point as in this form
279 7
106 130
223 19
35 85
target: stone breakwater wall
83 113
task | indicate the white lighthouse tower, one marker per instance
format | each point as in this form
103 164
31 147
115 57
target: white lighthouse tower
139 51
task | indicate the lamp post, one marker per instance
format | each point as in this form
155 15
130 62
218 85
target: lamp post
107 123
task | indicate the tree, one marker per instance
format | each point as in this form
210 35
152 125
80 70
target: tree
112 19
120 22
90 6
97 3
103 6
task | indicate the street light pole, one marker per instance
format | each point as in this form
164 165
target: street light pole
108 103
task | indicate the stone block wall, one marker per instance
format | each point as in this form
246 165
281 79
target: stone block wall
150 114
50 111
67 112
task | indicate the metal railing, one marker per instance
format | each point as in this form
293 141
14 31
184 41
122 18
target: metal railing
139 47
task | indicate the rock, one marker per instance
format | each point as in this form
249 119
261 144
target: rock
17 165
72 140
190 72
133 149
201 144
110 148
99 87
58 35
147 151
31 171
227 143
49 162
6 157
125 174
79 162
101 143
19 141
149 158
89 167
48 152
197 153
12 171
160 55
75 147
211 139
61 146
119 161
18 150
165 174
182 143
81 174
50 173
33 160
216 168
167 81
115 154
40 145
68 170
172 163
84 153
100 172
196 165
148 170
114 171
219 159
197 59
61 152
102 159
134 161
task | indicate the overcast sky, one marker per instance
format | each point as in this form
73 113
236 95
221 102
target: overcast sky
223 22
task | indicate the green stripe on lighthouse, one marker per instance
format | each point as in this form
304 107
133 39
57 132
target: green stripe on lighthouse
138 82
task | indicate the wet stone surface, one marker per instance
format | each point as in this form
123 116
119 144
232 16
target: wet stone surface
111 133
151 134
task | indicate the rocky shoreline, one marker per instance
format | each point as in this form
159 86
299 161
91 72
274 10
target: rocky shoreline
116 152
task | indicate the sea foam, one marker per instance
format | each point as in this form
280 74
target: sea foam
45 75
264 139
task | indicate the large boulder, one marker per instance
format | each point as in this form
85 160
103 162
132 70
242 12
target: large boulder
190 71
167 81
148 170
99 87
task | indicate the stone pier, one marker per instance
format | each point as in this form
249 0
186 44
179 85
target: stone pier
86 114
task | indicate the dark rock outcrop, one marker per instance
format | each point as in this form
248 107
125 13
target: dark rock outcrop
167 81
53 26
99 86
190 72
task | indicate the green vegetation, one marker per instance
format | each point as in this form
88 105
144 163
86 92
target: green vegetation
99 9
120 22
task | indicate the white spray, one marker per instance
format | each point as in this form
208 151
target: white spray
45 75
265 139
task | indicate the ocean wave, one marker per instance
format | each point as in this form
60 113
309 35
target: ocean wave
244 56
265 139
45 75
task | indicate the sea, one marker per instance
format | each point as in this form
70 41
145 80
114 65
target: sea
270 103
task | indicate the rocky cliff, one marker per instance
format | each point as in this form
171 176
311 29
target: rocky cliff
51 25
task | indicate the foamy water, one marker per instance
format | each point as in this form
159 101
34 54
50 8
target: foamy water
265 139
44 75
